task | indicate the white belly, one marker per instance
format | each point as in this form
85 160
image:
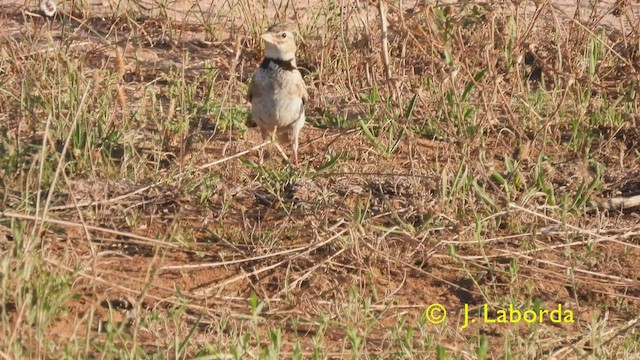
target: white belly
277 110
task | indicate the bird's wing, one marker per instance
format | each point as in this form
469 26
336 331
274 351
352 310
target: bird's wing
252 89
302 89
305 94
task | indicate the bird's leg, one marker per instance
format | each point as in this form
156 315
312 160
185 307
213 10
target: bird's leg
262 150
275 142
295 134
295 150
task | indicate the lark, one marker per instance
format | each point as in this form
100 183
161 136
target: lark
277 92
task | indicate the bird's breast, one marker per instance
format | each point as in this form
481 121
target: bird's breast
277 100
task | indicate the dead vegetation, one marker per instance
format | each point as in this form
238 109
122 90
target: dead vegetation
479 159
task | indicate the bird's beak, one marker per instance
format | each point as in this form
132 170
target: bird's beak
267 37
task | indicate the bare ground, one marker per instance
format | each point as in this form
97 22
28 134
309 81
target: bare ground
382 225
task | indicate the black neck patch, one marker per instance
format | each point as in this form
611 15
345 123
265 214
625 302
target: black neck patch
283 64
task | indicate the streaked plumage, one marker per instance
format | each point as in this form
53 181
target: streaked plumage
277 92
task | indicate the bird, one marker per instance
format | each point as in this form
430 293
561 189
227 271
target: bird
277 91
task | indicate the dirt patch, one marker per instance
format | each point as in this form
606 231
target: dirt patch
465 179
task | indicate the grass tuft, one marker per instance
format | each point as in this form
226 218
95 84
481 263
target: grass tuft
478 156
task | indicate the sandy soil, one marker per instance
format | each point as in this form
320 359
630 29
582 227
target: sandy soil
607 12
124 263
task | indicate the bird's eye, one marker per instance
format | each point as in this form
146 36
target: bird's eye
284 35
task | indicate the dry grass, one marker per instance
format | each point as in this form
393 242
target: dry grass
468 157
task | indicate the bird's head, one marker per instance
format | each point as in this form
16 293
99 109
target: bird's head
280 42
